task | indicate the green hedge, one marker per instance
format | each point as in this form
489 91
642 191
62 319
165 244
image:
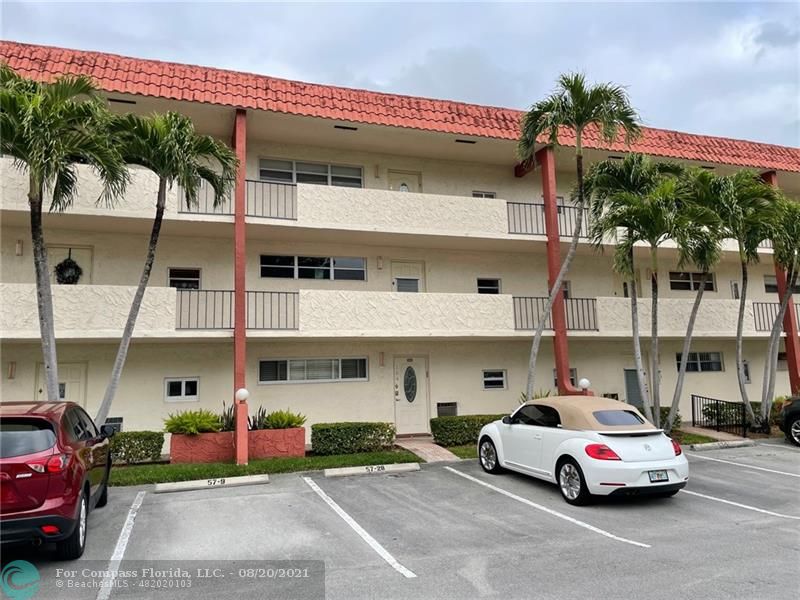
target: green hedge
137 446
460 430
350 438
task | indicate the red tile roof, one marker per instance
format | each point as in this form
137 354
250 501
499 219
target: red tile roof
191 83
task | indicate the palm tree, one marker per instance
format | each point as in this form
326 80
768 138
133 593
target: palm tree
573 108
47 129
636 174
786 247
642 199
748 208
699 239
169 146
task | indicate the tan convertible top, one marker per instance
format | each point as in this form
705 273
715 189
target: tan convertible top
577 412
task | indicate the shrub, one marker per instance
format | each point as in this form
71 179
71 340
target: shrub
349 438
227 418
283 419
137 446
664 410
460 430
192 422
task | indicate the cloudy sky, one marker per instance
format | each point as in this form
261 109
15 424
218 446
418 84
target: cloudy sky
730 69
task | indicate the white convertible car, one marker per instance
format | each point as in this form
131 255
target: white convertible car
587 445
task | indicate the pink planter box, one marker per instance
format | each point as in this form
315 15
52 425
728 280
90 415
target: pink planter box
219 447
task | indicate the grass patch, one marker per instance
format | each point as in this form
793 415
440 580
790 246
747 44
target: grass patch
465 451
144 474
690 438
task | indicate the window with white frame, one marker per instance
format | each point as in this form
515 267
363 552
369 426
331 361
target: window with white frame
181 389
293 171
771 285
494 379
783 363
184 279
701 362
312 369
314 267
566 288
746 369
488 286
688 281
479 194
573 377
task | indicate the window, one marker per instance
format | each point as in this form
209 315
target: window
80 425
771 285
783 364
494 380
537 414
479 194
446 409
406 284
746 369
314 267
184 279
684 280
312 369
701 362
488 286
573 377
566 287
290 171
181 390
617 417
735 290
25 436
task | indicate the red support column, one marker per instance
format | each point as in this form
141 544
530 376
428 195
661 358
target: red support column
792 339
546 158
239 286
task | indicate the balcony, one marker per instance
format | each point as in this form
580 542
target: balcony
213 309
765 314
528 219
581 313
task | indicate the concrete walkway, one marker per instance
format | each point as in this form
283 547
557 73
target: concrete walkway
721 436
426 449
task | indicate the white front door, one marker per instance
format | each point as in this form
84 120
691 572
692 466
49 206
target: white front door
405 181
408 276
411 394
71 382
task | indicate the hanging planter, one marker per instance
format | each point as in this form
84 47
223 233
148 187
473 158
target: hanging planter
68 272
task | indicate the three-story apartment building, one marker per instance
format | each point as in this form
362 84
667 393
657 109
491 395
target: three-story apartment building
381 258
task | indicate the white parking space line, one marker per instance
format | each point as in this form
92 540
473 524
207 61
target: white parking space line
373 543
745 506
549 511
782 447
738 464
119 549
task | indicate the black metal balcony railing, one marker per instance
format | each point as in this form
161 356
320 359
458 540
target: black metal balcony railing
213 309
581 313
205 202
528 218
765 314
272 200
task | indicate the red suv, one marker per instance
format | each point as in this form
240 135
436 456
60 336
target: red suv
54 467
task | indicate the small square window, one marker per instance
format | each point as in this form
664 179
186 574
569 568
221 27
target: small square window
479 194
181 390
184 279
494 379
277 266
406 284
488 286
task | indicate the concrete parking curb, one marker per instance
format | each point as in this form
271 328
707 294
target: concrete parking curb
372 469
207 484
722 445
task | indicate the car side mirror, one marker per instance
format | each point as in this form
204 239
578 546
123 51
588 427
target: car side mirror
507 420
107 431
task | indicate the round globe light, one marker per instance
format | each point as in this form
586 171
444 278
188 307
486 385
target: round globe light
584 383
242 394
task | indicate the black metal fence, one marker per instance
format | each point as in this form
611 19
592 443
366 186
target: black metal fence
581 313
273 200
528 218
213 309
205 202
765 313
719 415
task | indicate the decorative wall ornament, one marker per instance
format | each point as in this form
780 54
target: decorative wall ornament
68 272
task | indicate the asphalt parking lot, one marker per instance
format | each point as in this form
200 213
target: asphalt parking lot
456 532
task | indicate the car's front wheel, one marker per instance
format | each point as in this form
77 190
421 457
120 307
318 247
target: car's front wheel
793 431
72 547
572 483
487 455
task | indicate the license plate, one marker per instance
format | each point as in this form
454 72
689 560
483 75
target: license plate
657 476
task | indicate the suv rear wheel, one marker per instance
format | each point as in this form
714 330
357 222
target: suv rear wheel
72 547
793 431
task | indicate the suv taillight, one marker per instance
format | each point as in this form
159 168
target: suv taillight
52 464
601 452
677 447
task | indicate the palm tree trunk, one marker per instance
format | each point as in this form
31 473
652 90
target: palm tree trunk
687 346
44 295
751 417
554 291
122 352
655 370
768 382
637 346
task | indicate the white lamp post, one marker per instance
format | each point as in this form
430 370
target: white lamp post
584 384
242 394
